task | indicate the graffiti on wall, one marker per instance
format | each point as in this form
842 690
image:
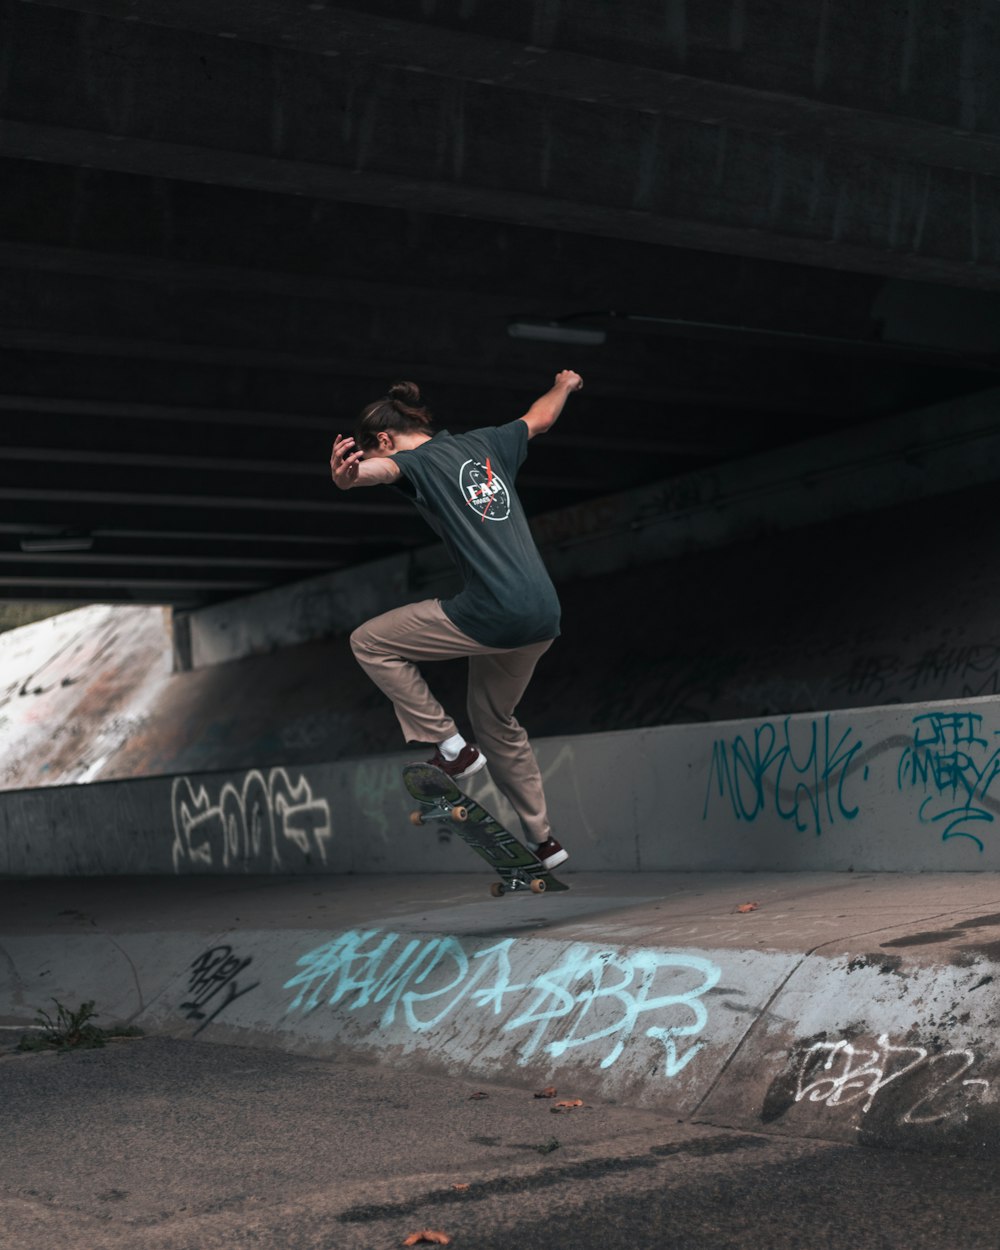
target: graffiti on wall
842 1074
67 665
808 774
954 761
213 984
962 670
253 825
797 769
592 998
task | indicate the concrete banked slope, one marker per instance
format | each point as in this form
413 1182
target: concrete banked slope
855 1007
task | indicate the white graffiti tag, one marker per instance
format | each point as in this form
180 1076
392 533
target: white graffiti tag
859 1074
592 997
249 826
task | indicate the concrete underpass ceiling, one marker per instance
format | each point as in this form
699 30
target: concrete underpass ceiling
227 224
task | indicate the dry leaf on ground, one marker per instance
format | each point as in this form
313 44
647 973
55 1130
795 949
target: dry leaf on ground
549 1091
428 1237
748 907
567 1104
460 1186
478 1094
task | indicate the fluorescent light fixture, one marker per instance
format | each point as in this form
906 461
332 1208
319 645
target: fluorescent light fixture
57 542
557 332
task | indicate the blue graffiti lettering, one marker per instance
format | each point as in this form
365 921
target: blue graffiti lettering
638 969
591 995
799 762
951 760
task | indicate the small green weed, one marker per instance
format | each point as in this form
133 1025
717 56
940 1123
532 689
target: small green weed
546 1148
71 1030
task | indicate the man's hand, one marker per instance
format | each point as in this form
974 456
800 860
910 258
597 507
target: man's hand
348 469
344 462
570 380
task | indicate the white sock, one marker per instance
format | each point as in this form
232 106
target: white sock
452 747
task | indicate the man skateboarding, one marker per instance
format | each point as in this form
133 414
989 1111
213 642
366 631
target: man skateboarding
507 614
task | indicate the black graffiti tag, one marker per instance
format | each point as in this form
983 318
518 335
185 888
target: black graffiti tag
213 984
68 665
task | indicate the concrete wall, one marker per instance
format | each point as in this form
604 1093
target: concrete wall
906 788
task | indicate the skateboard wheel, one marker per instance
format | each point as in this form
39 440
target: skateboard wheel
416 818
460 815
538 886
498 889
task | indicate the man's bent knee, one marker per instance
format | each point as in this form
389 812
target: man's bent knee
361 642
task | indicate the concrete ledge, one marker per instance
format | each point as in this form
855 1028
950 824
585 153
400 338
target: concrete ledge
908 788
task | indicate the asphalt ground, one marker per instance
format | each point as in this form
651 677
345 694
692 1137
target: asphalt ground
179 1145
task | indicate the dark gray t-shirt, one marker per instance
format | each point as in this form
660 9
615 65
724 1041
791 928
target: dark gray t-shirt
463 485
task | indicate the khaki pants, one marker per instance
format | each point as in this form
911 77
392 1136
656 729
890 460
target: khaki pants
390 646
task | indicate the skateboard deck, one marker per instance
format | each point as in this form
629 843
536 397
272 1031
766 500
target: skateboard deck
441 799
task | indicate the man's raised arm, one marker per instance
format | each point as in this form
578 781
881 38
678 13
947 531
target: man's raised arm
544 412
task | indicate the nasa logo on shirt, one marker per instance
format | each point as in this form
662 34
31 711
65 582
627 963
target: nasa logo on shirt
484 491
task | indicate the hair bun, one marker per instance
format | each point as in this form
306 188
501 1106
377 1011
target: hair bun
405 393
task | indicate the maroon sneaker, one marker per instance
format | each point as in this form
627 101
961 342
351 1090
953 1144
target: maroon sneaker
470 760
551 853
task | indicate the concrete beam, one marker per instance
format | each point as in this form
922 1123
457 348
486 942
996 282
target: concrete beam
175 238
45 565
79 375
202 276
342 364
158 589
39 411
180 469
158 539
71 595
289 520
701 374
780 72
201 489
251 115
39 511
128 218
355 303
872 215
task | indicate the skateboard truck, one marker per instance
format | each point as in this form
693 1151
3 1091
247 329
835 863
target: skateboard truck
441 810
518 881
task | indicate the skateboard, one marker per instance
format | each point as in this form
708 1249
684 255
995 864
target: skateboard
441 799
